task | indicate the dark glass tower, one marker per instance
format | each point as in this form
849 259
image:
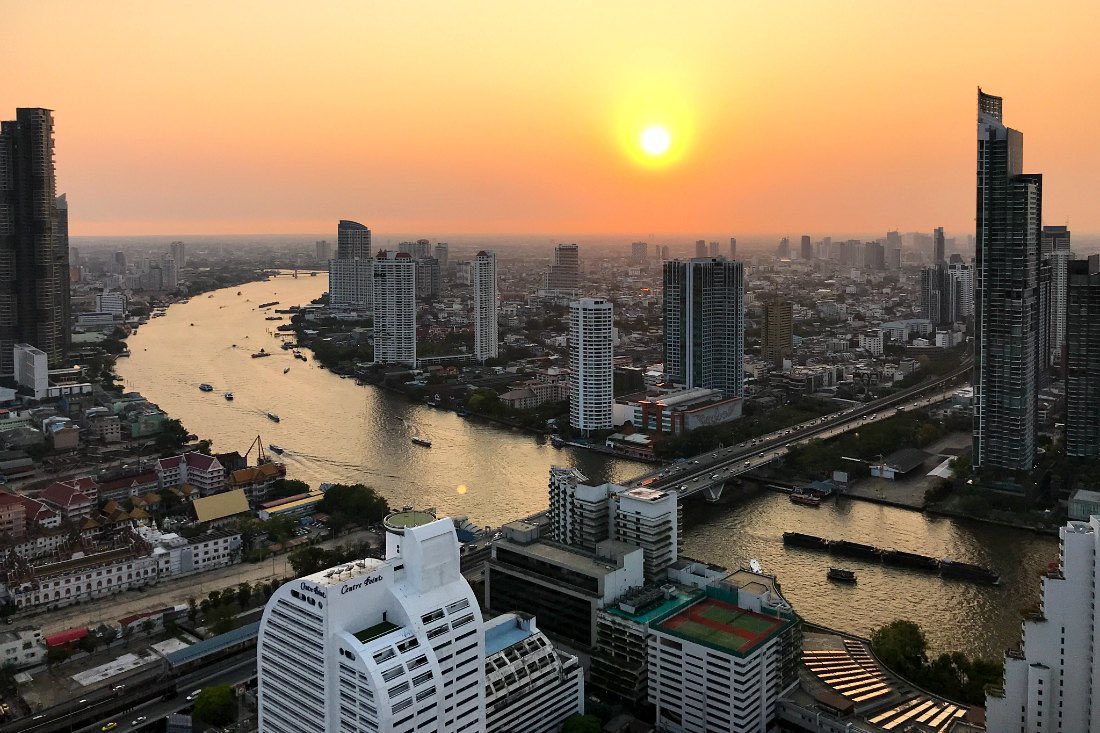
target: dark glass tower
34 272
705 324
1007 297
352 241
1083 358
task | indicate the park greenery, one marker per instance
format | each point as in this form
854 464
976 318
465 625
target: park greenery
903 648
581 724
488 403
352 504
817 458
313 558
216 705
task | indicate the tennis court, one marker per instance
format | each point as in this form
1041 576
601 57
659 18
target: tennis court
722 625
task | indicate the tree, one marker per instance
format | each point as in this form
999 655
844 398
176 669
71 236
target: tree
280 529
581 724
172 435
902 647
192 610
244 595
357 502
286 487
216 705
308 560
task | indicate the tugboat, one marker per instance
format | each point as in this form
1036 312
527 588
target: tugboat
417 440
273 417
260 354
276 449
805 499
557 441
206 387
841 575
229 396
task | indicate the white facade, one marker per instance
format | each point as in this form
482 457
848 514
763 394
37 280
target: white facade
591 377
111 301
484 275
1059 289
392 645
69 581
22 648
394 293
1050 683
529 686
698 688
648 519
872 341
960 278
31 369
350 284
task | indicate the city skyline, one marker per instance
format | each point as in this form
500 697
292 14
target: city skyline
518 124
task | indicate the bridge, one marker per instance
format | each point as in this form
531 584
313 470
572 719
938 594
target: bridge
707 474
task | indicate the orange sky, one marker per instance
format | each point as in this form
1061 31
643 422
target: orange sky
447 117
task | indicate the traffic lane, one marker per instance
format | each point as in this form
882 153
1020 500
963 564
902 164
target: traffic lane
235 671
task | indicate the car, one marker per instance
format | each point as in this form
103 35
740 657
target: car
138 720
748 463
760 453
81 702
683 486
5 708
695 461
116 688
109 726
714 476
194 694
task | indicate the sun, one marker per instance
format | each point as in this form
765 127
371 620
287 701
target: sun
655 140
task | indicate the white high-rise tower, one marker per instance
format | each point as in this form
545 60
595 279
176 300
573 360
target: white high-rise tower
394 294
591 388
484 275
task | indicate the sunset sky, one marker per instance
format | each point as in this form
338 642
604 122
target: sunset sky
522 117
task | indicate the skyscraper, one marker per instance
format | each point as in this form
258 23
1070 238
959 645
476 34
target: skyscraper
352 241
938 243
784 250
806 248
321 250
777 333
639 252
1009 208
1083 358
713 251
933 284
591 377
120 263
443 254
484 274
34 257
705 324
700 248
178 252
394 294
733 248
1055 248
564 273
351 274
429 278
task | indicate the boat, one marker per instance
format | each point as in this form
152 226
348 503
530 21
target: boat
557 441
260 354
268 305
273 417
841 575
965 571
854 549
805 499
238 292
276 449
124 352
229 396
417 440
805 540
286 370
462 412
206 387
890 556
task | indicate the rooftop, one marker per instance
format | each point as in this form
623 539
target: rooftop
219 506
722 626
409 518
586 563
373 632
683 597
507 632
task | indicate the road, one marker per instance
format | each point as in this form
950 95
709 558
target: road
707 473
229 672
171 592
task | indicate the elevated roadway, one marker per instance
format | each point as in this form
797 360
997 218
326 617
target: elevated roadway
708 473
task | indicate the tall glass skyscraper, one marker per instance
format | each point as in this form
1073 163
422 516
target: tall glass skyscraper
1007 296
1083 358
34 246
705 324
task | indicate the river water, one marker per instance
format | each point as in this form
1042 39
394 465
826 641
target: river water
334 430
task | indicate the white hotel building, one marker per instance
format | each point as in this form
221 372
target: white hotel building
1050 683
484 275
399 645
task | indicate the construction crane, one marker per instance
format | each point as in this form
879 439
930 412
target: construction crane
261 457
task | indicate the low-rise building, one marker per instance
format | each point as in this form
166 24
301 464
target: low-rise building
74 499
299 505
205 473
22 648
677 411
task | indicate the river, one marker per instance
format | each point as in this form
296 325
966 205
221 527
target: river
334 430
